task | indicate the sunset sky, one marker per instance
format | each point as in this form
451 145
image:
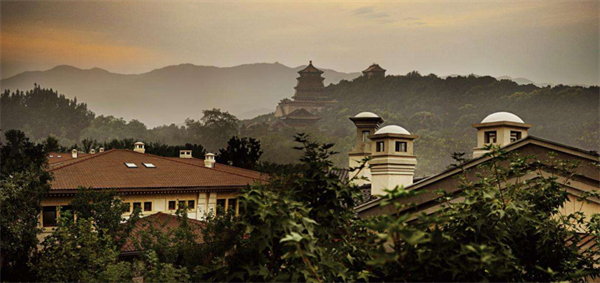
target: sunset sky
545 41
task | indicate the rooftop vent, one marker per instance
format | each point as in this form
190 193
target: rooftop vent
92 151
139 147
74 153
209 160
130 165
185 153
101 149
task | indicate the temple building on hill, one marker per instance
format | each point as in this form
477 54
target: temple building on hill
374 71
310 97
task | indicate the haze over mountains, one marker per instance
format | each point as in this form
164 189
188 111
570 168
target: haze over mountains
174 93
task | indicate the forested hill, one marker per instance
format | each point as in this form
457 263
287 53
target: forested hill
173 93
441 112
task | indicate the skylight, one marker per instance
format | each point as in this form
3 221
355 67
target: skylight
149 165
130 165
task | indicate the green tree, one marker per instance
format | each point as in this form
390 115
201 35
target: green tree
24 184
241 152
214 128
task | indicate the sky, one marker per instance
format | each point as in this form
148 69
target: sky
544 41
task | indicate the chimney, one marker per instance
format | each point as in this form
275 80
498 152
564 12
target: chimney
209 160
92 151
366 124
393 163
500 128
185 153
74 153
139 147
101 149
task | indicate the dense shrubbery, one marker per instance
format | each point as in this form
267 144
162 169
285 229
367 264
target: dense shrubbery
301 227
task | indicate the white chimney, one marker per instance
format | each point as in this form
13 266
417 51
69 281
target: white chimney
393 162
74 153
185 153
139 147
101 149
209 160
92 151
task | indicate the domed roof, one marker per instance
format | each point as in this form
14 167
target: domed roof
392 129
366 115
502 117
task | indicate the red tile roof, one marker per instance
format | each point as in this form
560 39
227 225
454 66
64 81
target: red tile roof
108 170
161 222
58 158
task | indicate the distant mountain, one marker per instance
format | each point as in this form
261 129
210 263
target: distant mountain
173 93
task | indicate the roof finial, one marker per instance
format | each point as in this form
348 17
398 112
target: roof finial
310 62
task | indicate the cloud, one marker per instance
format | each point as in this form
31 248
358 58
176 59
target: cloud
369 12
411 19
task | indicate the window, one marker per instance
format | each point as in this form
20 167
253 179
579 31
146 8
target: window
515 136
232 203
181 204
380 146
365 136
128 205
137 205
400 146
221 204
490 137
148 206
130 165
191 204
49 216
172 205
149 165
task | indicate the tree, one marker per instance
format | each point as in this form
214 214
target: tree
241 152
24 185
51 144
214 128
501 231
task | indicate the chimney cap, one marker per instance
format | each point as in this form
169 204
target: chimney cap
209 154
139 142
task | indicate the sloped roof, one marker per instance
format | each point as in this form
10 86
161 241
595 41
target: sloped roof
310 69
374 68
55 160
529 140
161 222
301 114
225 168
108 170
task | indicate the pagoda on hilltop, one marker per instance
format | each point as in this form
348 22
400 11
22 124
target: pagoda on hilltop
310 96
374 71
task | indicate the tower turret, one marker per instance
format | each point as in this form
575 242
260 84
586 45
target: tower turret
393 161
500 128
366 125
310 84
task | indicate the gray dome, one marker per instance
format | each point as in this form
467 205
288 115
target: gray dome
392 129
502 117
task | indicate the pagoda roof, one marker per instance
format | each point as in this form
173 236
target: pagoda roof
310 69
374 68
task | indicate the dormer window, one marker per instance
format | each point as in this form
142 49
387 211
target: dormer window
380 146
400 146
515 136
490 137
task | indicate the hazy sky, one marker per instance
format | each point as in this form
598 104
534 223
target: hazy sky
545 41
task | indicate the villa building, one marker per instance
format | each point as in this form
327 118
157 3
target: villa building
393 162
152 183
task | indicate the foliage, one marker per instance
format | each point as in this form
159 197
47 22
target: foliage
77 252
241 152
501 231
24 185
40 112
214 129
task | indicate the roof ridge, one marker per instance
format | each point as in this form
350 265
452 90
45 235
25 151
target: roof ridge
92 156
172 159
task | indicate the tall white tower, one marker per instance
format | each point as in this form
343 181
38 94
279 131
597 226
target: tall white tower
500 128
393 162
366 125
